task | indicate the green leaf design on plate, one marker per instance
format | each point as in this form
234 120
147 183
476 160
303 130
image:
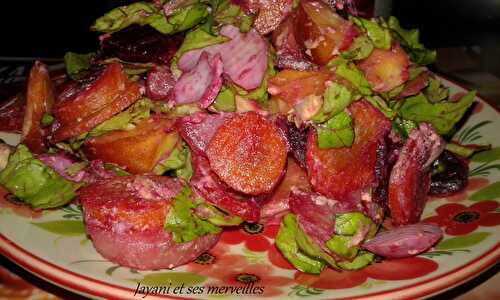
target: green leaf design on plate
488 193
463 241
304 291
172 278
432 254
471 134
487 156
64 227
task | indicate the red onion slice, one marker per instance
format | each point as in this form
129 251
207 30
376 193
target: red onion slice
404 241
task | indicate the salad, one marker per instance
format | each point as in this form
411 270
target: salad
194 116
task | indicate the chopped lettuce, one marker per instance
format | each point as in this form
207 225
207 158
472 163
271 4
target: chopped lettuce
335 99
442 115
225 100
350 230
181 221
403 127
380 36
350 72
336 132
287 244
122 121
144 13
228 13
218 217
195 39
360 48
178 161
30 180
409 39
435 91
182 20
75 63
382 106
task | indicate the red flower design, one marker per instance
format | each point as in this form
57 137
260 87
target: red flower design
395 269
255 237
235 270
458 219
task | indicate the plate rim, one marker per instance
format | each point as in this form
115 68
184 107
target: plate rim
92 287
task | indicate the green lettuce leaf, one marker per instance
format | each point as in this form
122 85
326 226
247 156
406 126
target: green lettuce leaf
181 221
380 36
75 63
218 217
350 72
350 230
125 120
335 99
178 161
30 180
336 132
225 100
145 13
360 48
381 105
287 244
403 127
409 39
435 91
442 115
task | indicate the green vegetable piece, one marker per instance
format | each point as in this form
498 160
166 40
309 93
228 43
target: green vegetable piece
218 217
197 39
225 100
443 115
436 92
184 225
335 99
123 121
363 259
115 169
183 20
123 16
336 132
47 120
409 39
75 63
465 150
351 223
381 105
340 245
34 183
310 248
349 227
179 161
350 72
287 244
380 36
360 48
229 13
403 127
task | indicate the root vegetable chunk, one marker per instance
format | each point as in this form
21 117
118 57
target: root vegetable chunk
340 172
248 153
